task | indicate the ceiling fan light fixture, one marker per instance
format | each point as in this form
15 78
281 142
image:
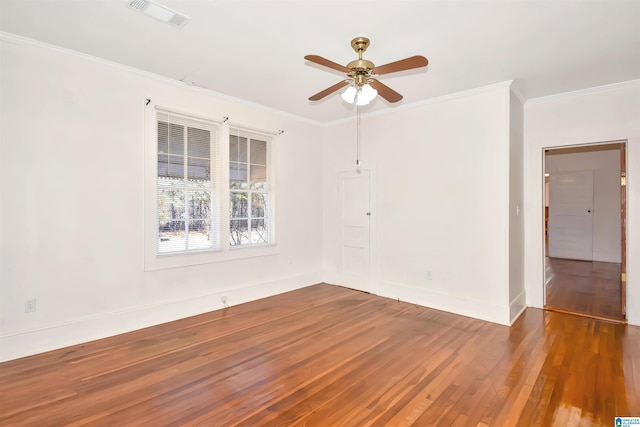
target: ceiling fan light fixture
360 95
366 94
361 100
349 95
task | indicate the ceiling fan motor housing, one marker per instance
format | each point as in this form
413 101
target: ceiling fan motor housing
360 65
360 78
361 68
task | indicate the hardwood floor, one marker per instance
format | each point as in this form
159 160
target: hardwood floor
591 288
330 356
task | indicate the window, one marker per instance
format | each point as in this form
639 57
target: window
186 183
209 190
249 190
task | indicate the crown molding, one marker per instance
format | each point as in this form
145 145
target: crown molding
431 101
587 91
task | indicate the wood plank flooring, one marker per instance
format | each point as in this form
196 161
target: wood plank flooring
330 356
591 288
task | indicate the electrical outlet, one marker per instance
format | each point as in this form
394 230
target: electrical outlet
224 300
429 275
30 305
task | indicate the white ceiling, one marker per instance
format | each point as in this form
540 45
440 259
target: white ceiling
254 50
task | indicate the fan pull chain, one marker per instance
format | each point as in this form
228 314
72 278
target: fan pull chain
357 135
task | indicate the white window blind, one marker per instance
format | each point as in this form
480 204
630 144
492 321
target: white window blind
188 184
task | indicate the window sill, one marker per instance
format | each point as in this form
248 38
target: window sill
164 261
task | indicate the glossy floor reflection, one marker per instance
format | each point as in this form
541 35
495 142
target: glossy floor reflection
586 287
330 356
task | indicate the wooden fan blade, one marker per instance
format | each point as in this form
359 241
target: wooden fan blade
404 64
322 61
385 91
329 90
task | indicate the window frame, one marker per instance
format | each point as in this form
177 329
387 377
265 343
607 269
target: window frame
187 188
240 132
189 108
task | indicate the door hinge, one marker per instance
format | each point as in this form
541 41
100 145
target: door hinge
623 181
624 277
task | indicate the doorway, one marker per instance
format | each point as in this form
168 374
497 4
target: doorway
585 230
354 269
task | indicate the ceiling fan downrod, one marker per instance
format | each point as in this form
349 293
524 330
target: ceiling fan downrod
361 67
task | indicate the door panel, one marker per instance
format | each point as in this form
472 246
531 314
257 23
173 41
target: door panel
354 270
571 215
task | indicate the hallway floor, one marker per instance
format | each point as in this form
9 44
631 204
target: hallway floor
585 287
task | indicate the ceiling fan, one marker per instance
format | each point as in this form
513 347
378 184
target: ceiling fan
363 87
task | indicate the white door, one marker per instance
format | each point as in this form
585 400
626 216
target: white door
354 268
571 215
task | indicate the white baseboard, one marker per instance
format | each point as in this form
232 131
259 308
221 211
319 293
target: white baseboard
30 342
450 303
330 276
606 257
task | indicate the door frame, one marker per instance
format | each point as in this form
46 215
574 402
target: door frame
623 225
623 201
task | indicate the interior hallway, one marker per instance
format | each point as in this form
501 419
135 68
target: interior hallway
585 287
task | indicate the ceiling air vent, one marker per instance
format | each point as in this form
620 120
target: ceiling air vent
159 12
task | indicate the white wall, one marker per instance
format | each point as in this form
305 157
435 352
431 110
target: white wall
442 186
606 196
517 292
602 114
72 192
